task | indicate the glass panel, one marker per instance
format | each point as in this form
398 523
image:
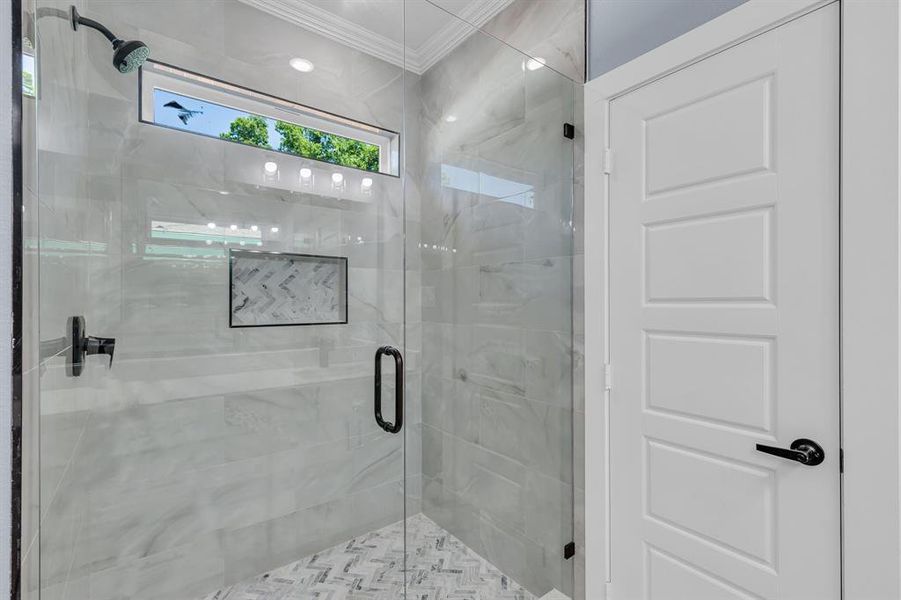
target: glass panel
491 185
207 455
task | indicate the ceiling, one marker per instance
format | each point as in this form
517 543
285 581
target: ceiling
377 26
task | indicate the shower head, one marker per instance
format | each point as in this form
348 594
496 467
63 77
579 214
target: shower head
127 55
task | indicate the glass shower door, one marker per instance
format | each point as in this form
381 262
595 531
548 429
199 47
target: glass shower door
491 185
212 294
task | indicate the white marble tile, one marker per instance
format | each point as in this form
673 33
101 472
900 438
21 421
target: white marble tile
553 30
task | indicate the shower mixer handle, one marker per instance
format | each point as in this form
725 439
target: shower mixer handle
100 345
807 452
85 345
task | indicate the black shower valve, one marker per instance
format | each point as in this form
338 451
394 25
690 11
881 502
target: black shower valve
84 345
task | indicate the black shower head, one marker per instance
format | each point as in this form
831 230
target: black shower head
127 55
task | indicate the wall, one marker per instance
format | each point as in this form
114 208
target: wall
620 30
554 31
206 455
497 306
871 284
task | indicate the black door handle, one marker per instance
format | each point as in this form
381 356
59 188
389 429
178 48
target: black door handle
398 389
807 452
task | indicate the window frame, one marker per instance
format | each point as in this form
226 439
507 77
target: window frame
157 75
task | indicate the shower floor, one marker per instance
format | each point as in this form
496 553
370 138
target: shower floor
440 567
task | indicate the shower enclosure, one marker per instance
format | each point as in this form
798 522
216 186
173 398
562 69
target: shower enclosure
299 303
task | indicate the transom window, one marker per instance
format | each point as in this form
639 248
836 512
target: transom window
178 99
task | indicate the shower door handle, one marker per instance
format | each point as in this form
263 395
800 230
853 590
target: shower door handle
398 389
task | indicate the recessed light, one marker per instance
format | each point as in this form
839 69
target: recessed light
211 225
274 230
233 227
337 178
533 64
301 64
270 167
254 228
451 118
367 182
306 173
223 192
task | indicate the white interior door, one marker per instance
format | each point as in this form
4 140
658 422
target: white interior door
724 220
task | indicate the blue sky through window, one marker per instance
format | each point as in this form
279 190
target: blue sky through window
200 116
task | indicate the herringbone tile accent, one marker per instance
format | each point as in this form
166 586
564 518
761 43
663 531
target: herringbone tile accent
371 567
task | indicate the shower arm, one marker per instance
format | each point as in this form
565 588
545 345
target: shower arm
79 20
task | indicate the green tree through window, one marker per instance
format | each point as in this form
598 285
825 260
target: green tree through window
251 130
312 143
301 141
304 141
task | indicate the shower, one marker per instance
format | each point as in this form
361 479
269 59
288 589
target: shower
127 55
312 365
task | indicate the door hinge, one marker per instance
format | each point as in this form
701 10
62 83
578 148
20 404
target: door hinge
569 131
569 550
608 377
608 161
841 460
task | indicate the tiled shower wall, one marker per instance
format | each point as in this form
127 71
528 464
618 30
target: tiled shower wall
498 273
207 454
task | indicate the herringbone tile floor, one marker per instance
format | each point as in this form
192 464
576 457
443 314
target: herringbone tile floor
370 567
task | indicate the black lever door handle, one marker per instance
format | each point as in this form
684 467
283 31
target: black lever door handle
398 389
807 452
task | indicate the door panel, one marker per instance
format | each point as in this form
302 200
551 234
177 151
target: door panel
207 455
724 323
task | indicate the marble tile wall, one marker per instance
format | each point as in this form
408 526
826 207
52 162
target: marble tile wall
497 308
551 29
207 455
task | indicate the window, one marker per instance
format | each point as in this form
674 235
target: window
178 99
29 84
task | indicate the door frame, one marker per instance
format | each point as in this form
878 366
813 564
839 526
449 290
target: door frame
870 277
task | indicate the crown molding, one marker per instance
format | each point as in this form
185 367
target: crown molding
348 33
464 25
